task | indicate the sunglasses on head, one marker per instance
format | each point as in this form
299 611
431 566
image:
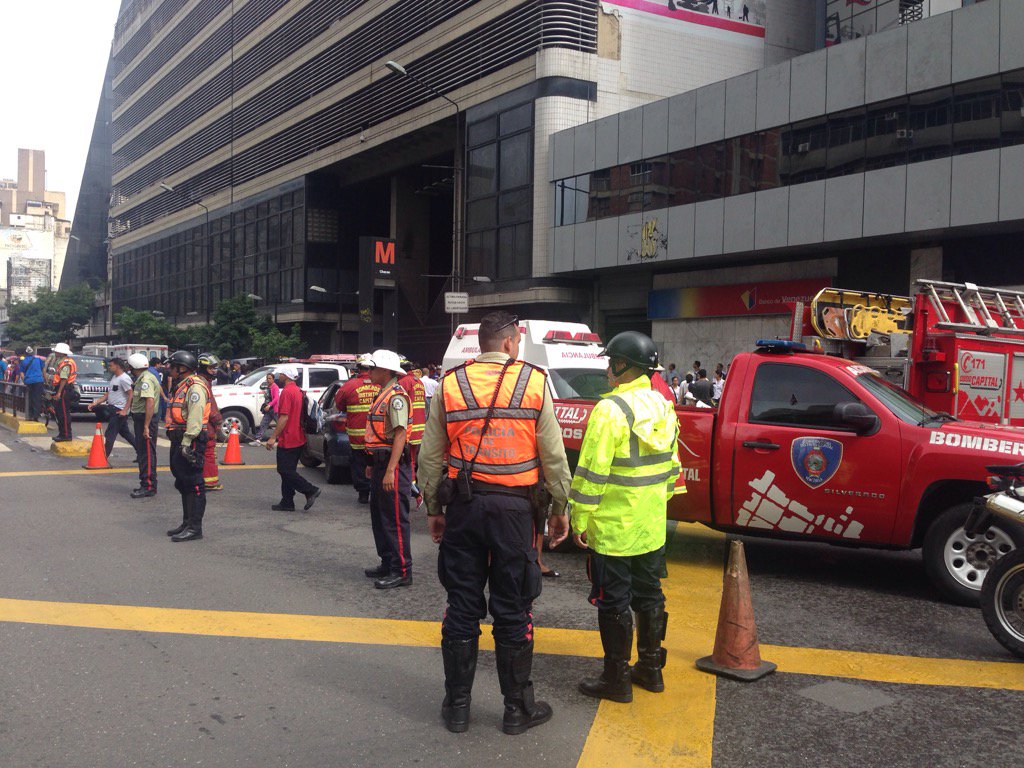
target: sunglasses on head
514 321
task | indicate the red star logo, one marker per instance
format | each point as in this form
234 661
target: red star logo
1018 392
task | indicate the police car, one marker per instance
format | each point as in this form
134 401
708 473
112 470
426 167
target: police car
240 402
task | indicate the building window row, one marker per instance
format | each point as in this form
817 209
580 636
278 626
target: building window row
970 117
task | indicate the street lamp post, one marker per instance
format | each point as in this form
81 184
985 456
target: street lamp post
209 244
457 168
255 298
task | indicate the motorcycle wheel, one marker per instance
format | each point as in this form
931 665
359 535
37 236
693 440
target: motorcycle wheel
1002 602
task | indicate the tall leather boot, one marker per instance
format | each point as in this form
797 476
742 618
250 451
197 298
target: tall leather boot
184 517
614 683
522 712
194 523
650 632
459 670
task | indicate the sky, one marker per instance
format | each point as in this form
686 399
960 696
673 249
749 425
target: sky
55 54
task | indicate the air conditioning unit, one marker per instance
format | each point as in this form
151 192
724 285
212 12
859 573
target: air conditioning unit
804 147
904 134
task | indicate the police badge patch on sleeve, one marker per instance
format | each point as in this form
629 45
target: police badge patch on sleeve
398 404
145 386
194 397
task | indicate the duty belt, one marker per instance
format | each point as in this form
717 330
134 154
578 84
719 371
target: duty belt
522 491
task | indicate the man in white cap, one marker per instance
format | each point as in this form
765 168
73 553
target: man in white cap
391 473
290 438
64 386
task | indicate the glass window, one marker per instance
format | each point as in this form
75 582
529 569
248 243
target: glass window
480 214
482 171
846 142
516 162
902 405
485 130
708 166
322 377
518 119
582 383
795 395
885 131
682 174
805 149
581 194
1012 123
977 115
929 133
514 251
767 165
516 206
480 253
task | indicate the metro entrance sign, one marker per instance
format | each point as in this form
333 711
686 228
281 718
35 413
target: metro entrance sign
456 303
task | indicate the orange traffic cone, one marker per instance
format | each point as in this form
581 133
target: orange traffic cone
98 452
737 654
233 454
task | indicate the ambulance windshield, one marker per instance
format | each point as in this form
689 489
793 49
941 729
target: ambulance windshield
580 383
896 400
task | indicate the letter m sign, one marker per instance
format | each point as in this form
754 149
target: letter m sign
384 253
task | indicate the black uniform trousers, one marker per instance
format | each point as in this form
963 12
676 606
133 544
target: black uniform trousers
390 514
62 410
145 450
188 477
358 462
291 480
117 425
489 541
35 400
621 583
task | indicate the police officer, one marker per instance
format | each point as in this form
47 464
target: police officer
626 473
188 414
208 363
390 473
65 373
494 418
145 399
354 399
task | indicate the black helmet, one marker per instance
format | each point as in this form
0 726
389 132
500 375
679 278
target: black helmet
635 348
183 358
208 360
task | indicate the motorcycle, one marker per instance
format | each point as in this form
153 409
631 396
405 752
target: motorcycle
1002 593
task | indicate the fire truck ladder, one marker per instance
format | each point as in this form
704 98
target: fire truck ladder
985 310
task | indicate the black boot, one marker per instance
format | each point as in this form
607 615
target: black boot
459 669
650 632
194 523
617 638
184 518
515 662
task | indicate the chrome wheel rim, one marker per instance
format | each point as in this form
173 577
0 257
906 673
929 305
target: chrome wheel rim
969 557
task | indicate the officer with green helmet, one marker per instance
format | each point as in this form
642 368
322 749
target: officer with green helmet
626 474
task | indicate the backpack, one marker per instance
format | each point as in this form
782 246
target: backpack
312 415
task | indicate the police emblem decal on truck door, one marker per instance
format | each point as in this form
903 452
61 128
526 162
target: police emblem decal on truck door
816 459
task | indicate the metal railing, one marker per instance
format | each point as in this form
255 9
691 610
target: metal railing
13 398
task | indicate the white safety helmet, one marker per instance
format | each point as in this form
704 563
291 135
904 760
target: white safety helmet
29 351
138 361
365 360
62 349
388 360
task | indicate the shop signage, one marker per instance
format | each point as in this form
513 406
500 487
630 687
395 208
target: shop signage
379 254
732 300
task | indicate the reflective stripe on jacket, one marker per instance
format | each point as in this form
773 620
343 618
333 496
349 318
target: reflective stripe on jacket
377 419
418 411
627 471
508 452
355 398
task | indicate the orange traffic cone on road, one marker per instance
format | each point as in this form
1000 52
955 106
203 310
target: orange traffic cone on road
737 654
233 454
98 452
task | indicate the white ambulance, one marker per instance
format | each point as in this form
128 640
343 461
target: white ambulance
568 352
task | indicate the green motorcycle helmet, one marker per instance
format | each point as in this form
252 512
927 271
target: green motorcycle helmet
634 348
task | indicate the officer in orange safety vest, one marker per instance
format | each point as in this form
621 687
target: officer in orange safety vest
64 386
390 474
494 418
188 414
354 399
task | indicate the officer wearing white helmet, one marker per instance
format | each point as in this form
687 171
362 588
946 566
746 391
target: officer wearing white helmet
391 471
64 387
145 400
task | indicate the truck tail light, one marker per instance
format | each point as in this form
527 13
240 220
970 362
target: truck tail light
938 381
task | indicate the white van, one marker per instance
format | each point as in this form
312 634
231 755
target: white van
568 352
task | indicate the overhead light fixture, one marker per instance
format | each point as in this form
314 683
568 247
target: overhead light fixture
318 289
395 67
165 186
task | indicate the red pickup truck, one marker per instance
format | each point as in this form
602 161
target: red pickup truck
819 448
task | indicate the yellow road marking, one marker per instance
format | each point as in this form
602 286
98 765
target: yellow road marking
888 668
119 471
675 727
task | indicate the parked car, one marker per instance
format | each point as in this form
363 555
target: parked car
240 402
90 383
330 445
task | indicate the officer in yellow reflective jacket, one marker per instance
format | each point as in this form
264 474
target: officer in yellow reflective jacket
626 474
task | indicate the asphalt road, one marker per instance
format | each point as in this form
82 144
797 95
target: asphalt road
76 693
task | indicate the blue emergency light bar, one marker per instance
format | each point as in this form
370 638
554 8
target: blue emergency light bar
780 345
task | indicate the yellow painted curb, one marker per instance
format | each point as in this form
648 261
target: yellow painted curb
72 448
21 426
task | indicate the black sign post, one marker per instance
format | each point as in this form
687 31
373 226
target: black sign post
377 271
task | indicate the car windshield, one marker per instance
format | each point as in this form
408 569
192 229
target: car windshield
905 407
581 383
91 366
255 378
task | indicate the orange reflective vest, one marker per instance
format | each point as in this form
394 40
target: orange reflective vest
71 365
376 420
507 454
355 398
418 412
175 407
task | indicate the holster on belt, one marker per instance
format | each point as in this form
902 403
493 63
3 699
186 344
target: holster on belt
540 502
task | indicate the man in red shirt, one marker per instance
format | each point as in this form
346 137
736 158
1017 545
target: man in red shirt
354 399
290 438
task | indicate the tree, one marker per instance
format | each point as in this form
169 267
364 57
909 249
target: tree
135 326
54 316
233 324
271 343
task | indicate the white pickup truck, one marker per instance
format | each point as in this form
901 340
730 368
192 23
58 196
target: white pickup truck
240 402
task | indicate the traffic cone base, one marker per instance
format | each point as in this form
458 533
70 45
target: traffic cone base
233 453
737 654
97 452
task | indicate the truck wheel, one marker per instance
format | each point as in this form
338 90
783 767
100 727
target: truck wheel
308 459
337 474
957 563
238 419
1002 602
